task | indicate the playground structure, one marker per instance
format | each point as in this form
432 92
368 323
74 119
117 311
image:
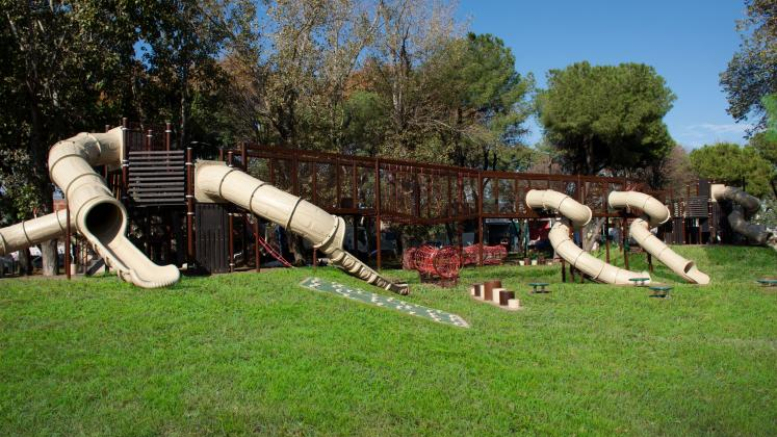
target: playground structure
655 214
133 181
741 205
438 266
579 215
215 182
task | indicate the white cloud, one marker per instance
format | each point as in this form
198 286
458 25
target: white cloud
697 135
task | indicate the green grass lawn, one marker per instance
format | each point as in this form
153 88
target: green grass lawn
257 354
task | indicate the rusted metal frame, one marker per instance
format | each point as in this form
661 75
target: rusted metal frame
711 223
607 239
516 196
243 157
271 169
338 191
189 207
354 186
378 210
397 186
480 219
459 211
314 188
449 205
125 162
68 236
323 156
231 242
624 239
496 194
257 249
429 178
416 192
413 220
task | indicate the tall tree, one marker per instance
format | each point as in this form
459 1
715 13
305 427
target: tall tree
606 117
409 33
62 64
732 163
752 71
765 142
483 103
676 170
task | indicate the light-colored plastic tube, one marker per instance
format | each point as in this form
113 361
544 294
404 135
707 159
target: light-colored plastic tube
736 218
98 216
657 213
31 232
325 231
655 210
580 215
640 231
597 269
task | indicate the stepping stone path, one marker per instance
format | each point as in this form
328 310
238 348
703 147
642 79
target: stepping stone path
379 300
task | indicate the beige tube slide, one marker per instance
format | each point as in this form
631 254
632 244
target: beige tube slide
579 215
97 215
216 182
736 218
31 232
657 214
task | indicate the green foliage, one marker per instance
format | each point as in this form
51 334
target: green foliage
487 100
752 72
732 163
606 117
248 354
71 65
770 105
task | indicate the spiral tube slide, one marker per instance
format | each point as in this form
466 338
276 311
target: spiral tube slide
98 216
216 182
31 232
736 218
657 214
579 215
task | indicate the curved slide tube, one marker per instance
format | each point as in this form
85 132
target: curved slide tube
98 216
215 182
736 218
31 232
580 215
657 214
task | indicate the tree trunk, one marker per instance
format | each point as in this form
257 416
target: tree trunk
591 233
25 263
48 251
296 248
38 153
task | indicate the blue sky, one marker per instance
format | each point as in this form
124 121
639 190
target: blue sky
689 42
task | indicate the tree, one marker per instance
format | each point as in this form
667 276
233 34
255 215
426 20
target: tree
676 171
409 33
752 72
732 163
606 117
483 103
62 63
71 65
765 142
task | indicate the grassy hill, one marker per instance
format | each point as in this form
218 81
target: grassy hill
257 354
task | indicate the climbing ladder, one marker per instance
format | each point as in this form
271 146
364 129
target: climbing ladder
272 251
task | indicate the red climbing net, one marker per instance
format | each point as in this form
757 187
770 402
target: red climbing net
492 255
434 265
